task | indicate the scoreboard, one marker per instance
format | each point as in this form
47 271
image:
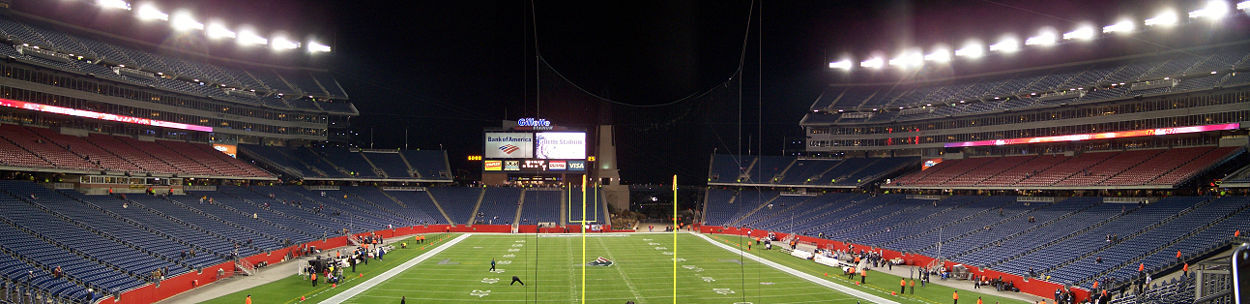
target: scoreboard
534 152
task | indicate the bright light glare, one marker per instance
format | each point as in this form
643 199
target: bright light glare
1080 33
1044 38
971 50
317 47
250 38
1165 19
1007 45
1214 10
908 59
149 12
183 21
874 63
282 43
1243 6
216 30
939 55
844 64
1124 26
113 4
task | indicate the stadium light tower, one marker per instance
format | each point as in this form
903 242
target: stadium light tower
1165 18
1213 10
844 64
971 50
1045 37
149 12
217 30
873 63
183 22
1006 45
1123 26
317 47
249 38
1084 33
113 4
281 43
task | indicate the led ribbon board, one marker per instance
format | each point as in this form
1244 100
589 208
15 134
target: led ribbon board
101 116
1093 136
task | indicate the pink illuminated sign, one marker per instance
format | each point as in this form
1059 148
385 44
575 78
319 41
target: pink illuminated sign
101 116
1093 136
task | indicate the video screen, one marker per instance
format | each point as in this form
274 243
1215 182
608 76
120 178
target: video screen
560 145
509 145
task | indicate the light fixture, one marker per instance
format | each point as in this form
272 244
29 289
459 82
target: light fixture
1123 26
873 63
972 50
1045 37
1006 45
281 43
216 30
1084 32
149 12
113 4
183 21
1165 18
317 47
939 54
248 37
1213 10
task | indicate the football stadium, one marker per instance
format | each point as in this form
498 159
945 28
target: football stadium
897 152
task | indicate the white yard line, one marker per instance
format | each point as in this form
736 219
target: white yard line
359 288
808 277
628 283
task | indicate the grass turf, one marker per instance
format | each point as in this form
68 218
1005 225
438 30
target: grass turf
290 289
551 268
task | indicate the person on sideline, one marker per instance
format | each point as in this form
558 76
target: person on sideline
955 297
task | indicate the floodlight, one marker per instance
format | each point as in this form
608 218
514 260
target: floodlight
216 30
1006 45
1213 10
1166 19
939 55
972 50
149 12
183 21
908 59
1243 6
317 47
1123 26
1045 37
1084 32
281 43
113 4
250 38
874 63
844 64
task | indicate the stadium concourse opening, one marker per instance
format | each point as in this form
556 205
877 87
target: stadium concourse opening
209 152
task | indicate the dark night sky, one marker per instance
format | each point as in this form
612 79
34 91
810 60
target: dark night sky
446 69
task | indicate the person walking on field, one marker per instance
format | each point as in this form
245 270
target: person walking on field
913 286
863 276
248 300
902 286
955 297
492 265
314 279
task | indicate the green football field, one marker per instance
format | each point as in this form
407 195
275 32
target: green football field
551 266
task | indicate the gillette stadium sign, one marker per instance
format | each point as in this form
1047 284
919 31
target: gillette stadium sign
509 145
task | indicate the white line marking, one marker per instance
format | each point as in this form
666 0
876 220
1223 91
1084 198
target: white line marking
366 285
808 277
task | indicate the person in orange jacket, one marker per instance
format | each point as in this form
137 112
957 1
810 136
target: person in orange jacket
955 297
248 300
979 300
913 286
863 276
902 286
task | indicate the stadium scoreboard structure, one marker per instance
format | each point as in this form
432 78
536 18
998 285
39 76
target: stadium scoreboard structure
533 150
